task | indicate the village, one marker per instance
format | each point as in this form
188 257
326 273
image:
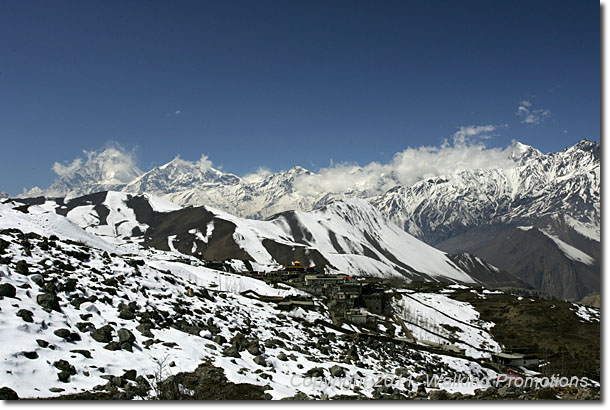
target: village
361 306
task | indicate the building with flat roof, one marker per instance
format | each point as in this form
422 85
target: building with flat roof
515 359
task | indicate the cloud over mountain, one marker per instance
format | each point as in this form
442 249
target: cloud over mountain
115 167
466 151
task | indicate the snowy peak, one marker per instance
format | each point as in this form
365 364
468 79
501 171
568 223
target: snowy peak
522 153
264 193
587 146
179 174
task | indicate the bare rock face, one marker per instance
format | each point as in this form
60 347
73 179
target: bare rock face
593 300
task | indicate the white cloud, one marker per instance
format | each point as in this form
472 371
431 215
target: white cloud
465 135
466 151
258 176
204 163
113 165
178 112
529 115
67 170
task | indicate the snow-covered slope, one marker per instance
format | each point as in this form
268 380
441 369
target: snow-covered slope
354 237
350 236
430 315
84 314
571 252
88 310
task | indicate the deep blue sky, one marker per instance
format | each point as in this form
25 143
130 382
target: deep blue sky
281 83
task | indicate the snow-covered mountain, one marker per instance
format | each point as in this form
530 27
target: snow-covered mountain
557 185
477 211
538 184
557 192
187 183
349 236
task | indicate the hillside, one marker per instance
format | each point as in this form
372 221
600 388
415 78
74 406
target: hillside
100 316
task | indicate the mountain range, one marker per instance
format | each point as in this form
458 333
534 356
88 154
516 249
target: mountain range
349 236
537 218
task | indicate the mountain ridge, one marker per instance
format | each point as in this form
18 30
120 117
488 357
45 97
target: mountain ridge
349 236
556 192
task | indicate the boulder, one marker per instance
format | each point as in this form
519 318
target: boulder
74 337
85 326
8 290
232 351
130 374
26 315
254 349
113 346
65 366
21 267
42 343
260 360
220 340
103 334
63 376
8 394
125 336
144 329
315 372
127 314
337 371
67 335
49 302
84 352
62 333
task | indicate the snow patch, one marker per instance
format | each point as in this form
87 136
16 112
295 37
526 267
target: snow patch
571 252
